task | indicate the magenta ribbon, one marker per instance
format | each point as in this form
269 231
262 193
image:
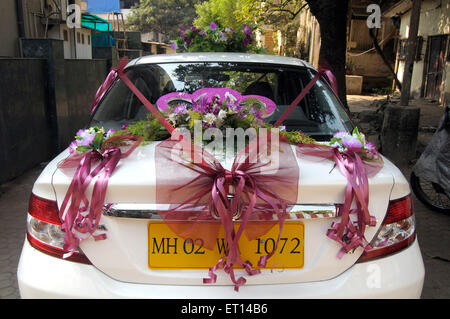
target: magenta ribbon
242 182
345 232
77 222
323 71
112 76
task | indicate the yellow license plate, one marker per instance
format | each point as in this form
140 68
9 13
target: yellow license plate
166 250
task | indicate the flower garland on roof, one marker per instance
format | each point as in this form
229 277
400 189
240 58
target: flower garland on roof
215 38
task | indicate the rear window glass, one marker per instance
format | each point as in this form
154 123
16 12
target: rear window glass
319 114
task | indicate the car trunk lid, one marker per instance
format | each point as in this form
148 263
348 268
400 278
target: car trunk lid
131 198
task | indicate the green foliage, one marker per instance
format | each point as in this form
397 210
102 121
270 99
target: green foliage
276 15
297 137
163 16
150 130
222 12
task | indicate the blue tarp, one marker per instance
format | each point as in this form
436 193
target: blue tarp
103 6
102 40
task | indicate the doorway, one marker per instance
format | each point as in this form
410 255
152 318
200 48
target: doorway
435 65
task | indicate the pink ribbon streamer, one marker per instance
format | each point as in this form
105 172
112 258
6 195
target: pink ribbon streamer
112 76
77 222
356 172
323 71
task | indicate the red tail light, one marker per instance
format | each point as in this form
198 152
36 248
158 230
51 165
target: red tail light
43 209
44 229
397 231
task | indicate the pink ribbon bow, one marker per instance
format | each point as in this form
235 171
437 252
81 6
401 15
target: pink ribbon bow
198 192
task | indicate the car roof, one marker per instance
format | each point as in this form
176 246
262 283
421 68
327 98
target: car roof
219 57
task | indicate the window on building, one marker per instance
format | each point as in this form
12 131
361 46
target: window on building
82 38
89 40
66 35
78 37
403 47
127 4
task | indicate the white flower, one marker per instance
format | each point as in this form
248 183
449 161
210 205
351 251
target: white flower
222 115
209 118
173 118
230 97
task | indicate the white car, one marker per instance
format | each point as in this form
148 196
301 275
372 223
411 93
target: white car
138 260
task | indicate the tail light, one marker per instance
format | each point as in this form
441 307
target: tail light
44 229
397 232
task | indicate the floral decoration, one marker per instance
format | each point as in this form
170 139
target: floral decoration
355 142
215 107
215 39
91 138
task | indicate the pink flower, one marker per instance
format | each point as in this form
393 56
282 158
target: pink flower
341 134
86 136
351 143
73 146
372 150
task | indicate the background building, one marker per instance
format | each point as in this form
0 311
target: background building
42 19
431 71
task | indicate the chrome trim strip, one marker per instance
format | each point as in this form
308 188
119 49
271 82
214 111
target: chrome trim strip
149 211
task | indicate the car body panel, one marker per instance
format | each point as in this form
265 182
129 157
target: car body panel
134 181
377 279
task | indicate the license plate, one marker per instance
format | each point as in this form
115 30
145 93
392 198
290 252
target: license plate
166 250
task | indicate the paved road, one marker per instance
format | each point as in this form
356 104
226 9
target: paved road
433 233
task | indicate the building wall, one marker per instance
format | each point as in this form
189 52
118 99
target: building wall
25 135
83 43
434 20
8 21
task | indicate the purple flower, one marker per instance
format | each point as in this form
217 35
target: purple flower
174 46
246 29
181 108
213 26
245 41
109 133
124 127
194 29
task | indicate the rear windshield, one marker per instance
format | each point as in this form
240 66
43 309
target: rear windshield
319 114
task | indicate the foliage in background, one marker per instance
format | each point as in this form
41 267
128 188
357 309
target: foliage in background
276 15
222 12
162 16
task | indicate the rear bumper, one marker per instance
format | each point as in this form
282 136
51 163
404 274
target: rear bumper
398 276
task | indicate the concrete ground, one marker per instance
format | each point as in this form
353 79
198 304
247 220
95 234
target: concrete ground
433 229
